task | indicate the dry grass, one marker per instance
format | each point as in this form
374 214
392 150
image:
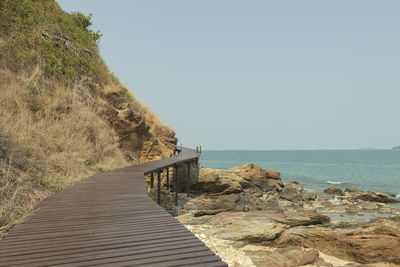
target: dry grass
51 137
63 115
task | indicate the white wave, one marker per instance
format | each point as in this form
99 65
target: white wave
397 196
332 182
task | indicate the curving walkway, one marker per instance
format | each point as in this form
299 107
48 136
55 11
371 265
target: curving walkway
106 220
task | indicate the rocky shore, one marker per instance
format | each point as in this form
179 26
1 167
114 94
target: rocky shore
249 217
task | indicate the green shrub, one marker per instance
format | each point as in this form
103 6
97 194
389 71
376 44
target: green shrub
40 33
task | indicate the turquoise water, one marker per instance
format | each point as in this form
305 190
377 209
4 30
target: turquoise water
377 170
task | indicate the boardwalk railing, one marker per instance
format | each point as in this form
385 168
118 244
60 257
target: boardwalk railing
185 155
107 220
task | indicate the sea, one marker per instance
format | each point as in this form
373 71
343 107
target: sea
376 170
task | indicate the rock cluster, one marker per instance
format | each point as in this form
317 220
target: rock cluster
356 194
250 210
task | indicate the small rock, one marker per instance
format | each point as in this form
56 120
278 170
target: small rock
291 194
334 191
294 185
320 262
352 190
283 257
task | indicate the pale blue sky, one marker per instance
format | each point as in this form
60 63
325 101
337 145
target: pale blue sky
259 74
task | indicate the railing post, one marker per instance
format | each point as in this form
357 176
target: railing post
176 184
188 180
168 178
198 168
159 187
151 180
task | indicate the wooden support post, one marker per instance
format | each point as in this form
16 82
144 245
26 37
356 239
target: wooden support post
168 178
176 185
188 180
159 187
198 168
151 180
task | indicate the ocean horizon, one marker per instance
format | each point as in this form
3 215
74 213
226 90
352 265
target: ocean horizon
366 169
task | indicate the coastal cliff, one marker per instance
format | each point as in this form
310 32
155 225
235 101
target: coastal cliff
63 114
396 148
249 217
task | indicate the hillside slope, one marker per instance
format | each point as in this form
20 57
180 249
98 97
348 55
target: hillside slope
63 114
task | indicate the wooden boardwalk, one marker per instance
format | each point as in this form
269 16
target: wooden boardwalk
106 220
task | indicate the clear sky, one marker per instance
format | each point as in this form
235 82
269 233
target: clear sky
259 74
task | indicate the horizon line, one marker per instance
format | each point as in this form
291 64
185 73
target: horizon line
302 149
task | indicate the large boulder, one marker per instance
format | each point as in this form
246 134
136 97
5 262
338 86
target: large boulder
212 204
375 242
258 226
237 179
254 175
218 181
302 218
375 197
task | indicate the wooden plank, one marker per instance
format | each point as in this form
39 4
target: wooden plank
99 243
149 258
88 256
164 244
106 220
